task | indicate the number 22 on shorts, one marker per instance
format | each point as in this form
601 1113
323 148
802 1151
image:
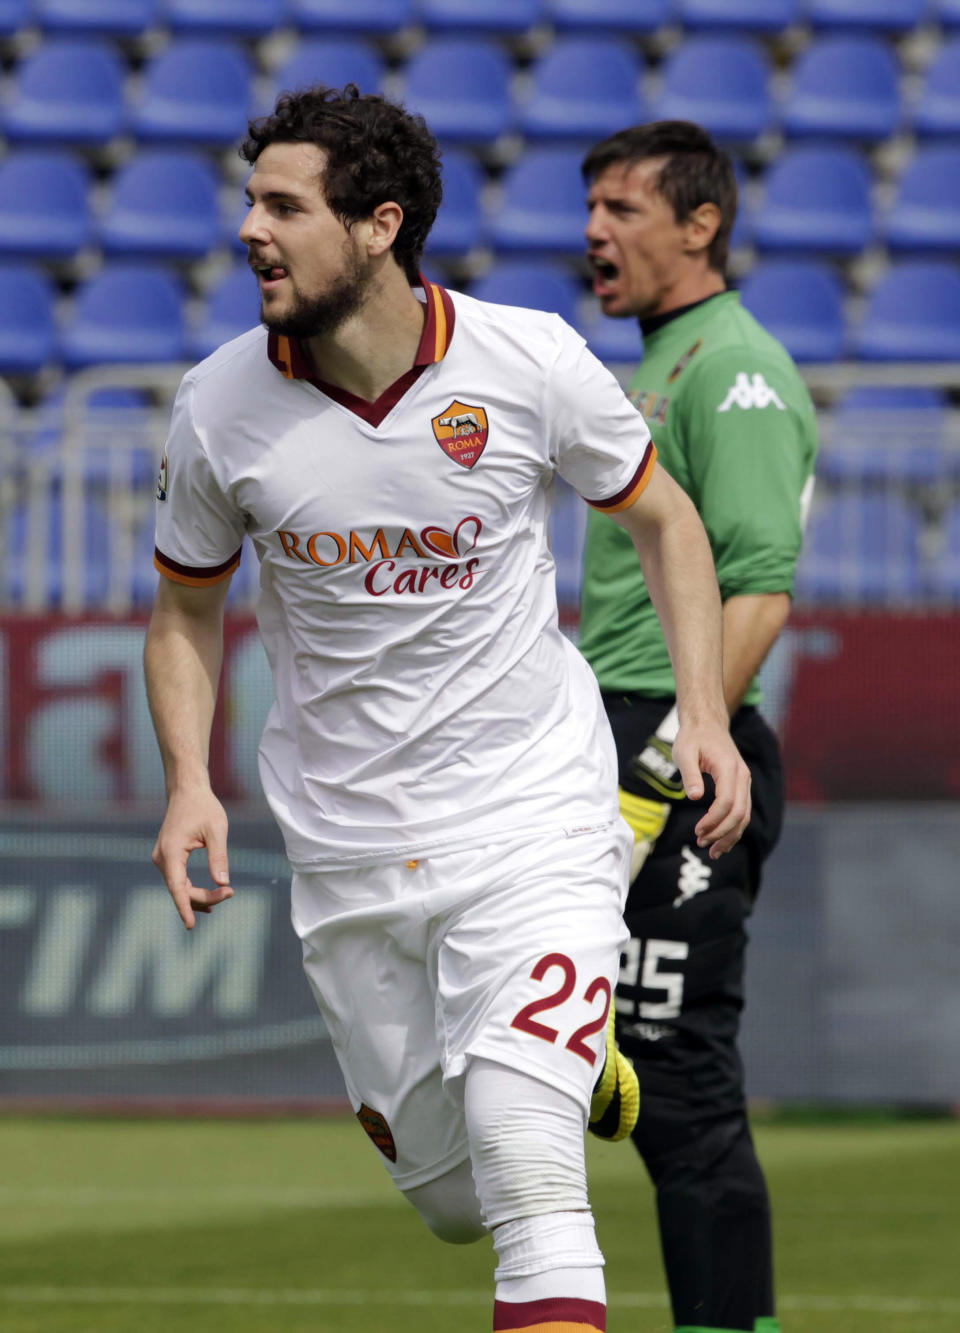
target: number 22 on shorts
525 1020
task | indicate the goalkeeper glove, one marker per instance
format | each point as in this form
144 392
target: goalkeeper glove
653 786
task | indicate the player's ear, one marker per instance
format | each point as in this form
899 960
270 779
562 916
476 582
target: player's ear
700 227
383 225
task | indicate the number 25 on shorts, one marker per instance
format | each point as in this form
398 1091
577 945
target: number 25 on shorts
598 989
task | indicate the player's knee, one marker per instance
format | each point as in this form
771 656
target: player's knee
449 1206
526 1143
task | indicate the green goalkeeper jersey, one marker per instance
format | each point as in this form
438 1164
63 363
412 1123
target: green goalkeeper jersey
734 425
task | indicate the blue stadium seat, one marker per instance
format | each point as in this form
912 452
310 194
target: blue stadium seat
913 314
68 90
535 286
721 82
634 17
925 215
861 548
584 88
231 308
613 341
14 15
44 205
384 17
125 313
886 435
460 223
333 61
501 16
112 439
942 578
543 207
937 109
800 302
768 16
816 199
844 88
947 13
895 17
197 90
111 18
48 514
461 86
224 18
27 333
164 205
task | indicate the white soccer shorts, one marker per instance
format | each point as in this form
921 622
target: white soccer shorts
508 951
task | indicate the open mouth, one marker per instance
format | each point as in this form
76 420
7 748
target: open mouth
269 274
605 274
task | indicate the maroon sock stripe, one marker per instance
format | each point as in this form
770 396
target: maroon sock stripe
554 1315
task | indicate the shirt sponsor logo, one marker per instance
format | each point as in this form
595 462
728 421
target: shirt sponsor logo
162 478
748 391
382 553
461 431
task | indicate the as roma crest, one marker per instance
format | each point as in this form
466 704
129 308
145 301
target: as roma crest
461 432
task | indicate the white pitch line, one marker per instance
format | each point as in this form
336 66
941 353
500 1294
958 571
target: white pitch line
48 1295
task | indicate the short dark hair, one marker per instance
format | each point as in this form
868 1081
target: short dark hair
696 172
376 151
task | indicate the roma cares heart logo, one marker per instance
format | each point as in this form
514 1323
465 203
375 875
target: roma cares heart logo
454 545
461 431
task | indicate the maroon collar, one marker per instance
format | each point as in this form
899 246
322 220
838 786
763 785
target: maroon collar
292 360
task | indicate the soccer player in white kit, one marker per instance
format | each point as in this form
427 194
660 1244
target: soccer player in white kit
437 756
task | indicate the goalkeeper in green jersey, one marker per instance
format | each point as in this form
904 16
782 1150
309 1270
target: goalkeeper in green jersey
734 425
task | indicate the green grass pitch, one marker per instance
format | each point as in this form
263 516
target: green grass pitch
290 1226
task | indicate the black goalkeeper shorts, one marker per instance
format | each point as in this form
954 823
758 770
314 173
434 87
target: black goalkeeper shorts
681 987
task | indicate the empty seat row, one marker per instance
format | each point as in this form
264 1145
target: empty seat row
136 313
255 18
202 90
167 203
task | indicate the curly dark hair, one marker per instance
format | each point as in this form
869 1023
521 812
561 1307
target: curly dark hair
696 172
376 151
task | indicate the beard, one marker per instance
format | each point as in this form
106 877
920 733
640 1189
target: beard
320 316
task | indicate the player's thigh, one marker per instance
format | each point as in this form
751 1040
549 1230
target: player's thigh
526 969
369 975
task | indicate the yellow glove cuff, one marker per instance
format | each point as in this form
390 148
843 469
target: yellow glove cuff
646 818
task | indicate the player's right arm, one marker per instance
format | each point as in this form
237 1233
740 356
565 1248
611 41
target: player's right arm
182 659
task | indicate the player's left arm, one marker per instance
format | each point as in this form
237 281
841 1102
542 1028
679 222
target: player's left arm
678 566
751 625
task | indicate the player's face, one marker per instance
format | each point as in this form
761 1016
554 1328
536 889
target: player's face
635 244
310 268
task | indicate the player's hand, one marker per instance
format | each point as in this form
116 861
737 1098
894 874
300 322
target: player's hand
194 819
709 748
651 786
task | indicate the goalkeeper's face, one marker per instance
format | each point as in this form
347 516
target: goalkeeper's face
638 250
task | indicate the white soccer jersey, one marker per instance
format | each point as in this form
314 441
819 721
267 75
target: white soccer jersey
425 696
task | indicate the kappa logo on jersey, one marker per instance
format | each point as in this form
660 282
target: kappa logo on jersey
461 432
748 391
162 478
379 1131
694 877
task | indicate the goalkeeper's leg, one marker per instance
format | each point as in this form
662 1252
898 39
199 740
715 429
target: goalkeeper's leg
692 1131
